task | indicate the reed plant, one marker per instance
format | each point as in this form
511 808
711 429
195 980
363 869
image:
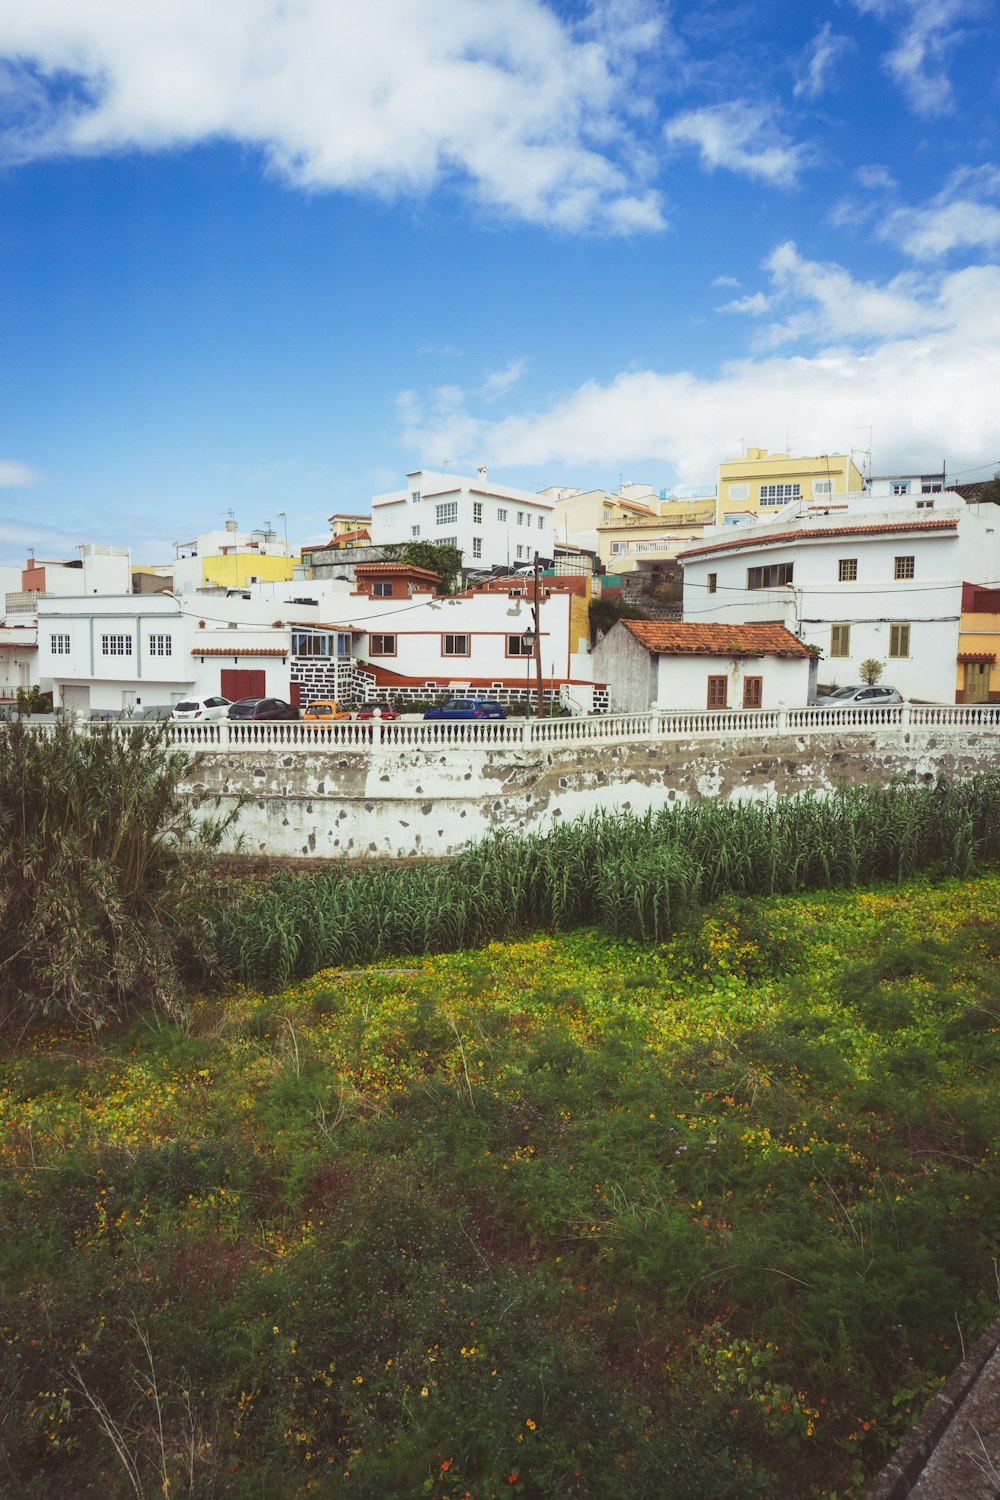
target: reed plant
104 873
633 876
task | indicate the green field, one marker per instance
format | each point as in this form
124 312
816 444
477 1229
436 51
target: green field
567 1216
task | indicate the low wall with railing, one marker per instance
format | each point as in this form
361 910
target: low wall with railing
430 788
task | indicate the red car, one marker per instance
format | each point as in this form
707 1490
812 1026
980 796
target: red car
377 711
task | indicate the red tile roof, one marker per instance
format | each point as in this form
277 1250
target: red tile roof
237 650
978 656
365 570
820 532
684 638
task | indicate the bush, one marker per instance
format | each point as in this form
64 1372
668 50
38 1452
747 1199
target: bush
104 873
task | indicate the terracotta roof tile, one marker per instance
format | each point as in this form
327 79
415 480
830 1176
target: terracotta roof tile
684 638
237 650
819 532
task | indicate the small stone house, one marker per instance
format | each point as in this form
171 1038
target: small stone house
653 664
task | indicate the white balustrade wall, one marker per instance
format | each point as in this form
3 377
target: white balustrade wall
430 788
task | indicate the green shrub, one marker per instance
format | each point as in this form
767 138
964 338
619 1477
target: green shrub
104 873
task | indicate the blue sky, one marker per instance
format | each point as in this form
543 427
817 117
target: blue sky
269 255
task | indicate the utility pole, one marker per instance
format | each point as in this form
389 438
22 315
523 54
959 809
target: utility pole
536 612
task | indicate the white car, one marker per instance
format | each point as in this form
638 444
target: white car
202 708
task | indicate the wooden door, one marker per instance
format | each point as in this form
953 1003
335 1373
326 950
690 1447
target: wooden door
977 682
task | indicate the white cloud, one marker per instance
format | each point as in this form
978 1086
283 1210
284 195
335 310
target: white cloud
827 50
499 382
741 137
17 476
957 218
755 302
929 31
529 114
823 302
732 281
930 387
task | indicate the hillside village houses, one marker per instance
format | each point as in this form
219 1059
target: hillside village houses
907 574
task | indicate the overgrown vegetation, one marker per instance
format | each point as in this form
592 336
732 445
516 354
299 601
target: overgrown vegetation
104 874
606 610
441 558
575 1217
635 877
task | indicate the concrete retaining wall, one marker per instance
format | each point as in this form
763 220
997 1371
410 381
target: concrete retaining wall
397 800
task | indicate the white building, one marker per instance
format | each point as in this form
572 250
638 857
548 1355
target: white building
492 524
871 579
675 665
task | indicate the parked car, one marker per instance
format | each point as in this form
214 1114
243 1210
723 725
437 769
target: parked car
324 711
377 711
148 711
257 709
871 697
201 708
468 708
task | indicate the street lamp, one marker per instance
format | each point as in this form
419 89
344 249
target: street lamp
528 651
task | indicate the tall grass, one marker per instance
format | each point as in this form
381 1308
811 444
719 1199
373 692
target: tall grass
104 873
633 876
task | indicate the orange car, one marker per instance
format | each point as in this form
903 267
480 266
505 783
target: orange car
323 711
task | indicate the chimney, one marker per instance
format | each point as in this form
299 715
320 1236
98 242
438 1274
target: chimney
481 474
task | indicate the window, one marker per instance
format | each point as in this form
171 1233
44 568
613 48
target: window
902 487
518 646
59 645
619 546
447 514
381 645
415 497
929 488
520 518
713 582
717 692
520 554
455 645
541 523
414 531
477 546
447 541
753 692
840 640
770 577
779 494
903 567
311 643
477 514
739 492
382 590
847 570
822 486
501 514
899 640
161 645
925 505
607 514
116 645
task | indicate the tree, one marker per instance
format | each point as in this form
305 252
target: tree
105 874
870 671
989 493
606 610
444 560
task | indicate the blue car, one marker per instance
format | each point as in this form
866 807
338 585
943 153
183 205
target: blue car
468 708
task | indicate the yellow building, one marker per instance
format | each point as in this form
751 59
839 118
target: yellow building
236 569
978 678
762 482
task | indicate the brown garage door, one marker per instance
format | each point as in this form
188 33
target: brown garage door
238 683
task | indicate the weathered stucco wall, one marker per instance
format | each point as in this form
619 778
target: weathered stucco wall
398 800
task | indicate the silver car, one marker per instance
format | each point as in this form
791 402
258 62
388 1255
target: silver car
871 697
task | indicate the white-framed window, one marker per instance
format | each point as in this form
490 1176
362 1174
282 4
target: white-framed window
446 514
520 518
904 567
415 497
901 487
619 547
477 513
822 486
414 531
382 590
607 513
847 570
520 553
779 494
930 487
59 645
739 492
116 645
924 505
502 514
477 546
454 645
771 577
541 523
447 541
311 643
161 645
